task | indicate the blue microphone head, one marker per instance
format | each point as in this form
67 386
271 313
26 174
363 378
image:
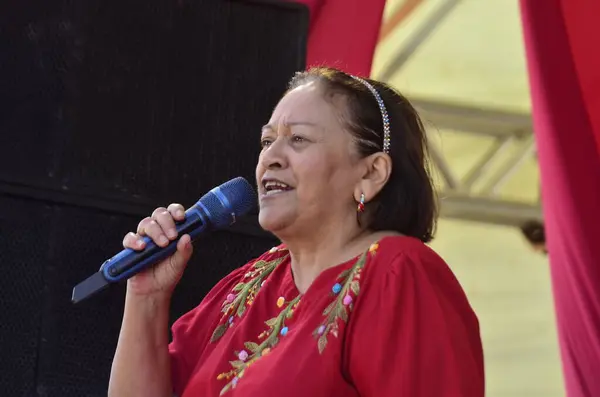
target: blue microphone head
225 203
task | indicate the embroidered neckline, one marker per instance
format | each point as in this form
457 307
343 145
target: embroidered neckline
276 328
345 291
243 294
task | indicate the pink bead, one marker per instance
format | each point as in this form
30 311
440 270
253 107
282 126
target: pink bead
230 298
243 355
347 300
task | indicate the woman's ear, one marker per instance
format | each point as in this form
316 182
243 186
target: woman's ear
377 171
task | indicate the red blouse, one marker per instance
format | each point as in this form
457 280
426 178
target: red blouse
392 322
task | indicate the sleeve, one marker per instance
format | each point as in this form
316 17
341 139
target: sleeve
192 331
413 333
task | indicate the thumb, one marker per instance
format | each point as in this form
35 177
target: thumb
178 261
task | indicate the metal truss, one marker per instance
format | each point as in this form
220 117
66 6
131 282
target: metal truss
513 145
511 132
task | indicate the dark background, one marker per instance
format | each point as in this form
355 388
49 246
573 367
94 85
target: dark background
108 109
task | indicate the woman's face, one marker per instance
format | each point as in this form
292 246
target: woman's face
308 170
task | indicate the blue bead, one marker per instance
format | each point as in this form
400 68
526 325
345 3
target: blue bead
336 288
284 331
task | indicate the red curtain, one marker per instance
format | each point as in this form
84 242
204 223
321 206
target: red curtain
344 33
562 40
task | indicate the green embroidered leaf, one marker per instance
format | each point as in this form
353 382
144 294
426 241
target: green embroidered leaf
272 321
329 308
253 347
237 364
260 263
272 264
344 274
322 343
361 261
242 301
273 342
241 309
238 287
225 389
355 287
342 313
218 332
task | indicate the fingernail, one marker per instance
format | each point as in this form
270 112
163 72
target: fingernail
140 243
163 240
172 233
180 213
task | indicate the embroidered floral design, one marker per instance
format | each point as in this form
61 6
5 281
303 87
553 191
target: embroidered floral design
254 351
345 291
244 293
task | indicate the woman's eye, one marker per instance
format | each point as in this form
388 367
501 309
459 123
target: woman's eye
298 139
265 142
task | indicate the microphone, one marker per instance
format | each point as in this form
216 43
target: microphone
217 209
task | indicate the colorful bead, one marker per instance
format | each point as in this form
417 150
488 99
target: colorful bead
265 351
243 355
280 301
321 330
230 298
347 300
230 319
234 382
284 331
373 247
337 288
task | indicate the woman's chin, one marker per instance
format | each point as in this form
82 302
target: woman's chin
272 221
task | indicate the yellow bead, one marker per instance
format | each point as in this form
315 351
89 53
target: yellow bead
280 301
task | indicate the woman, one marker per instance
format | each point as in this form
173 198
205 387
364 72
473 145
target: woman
352 303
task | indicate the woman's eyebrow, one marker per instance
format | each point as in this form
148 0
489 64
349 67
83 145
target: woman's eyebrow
289 124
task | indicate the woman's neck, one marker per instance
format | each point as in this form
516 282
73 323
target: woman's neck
316 252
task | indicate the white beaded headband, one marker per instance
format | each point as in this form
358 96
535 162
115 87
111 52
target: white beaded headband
383 110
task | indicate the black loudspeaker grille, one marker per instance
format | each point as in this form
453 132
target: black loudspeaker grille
23 258
138 100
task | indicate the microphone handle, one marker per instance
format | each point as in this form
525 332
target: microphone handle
128 262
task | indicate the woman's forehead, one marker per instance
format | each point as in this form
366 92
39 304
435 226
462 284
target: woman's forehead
305 103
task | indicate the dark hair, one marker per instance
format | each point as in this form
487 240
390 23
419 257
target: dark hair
407 203
534 232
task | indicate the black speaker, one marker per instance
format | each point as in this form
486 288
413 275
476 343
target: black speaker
108 109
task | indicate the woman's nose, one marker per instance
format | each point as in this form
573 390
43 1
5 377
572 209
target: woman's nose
273 157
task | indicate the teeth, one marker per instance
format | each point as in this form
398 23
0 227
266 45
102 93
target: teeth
274 191
269 185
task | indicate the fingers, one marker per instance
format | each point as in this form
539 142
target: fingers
133 241
160 227
165 220
179 260
177 211
184 252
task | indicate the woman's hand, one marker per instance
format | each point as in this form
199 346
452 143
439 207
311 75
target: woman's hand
162 278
